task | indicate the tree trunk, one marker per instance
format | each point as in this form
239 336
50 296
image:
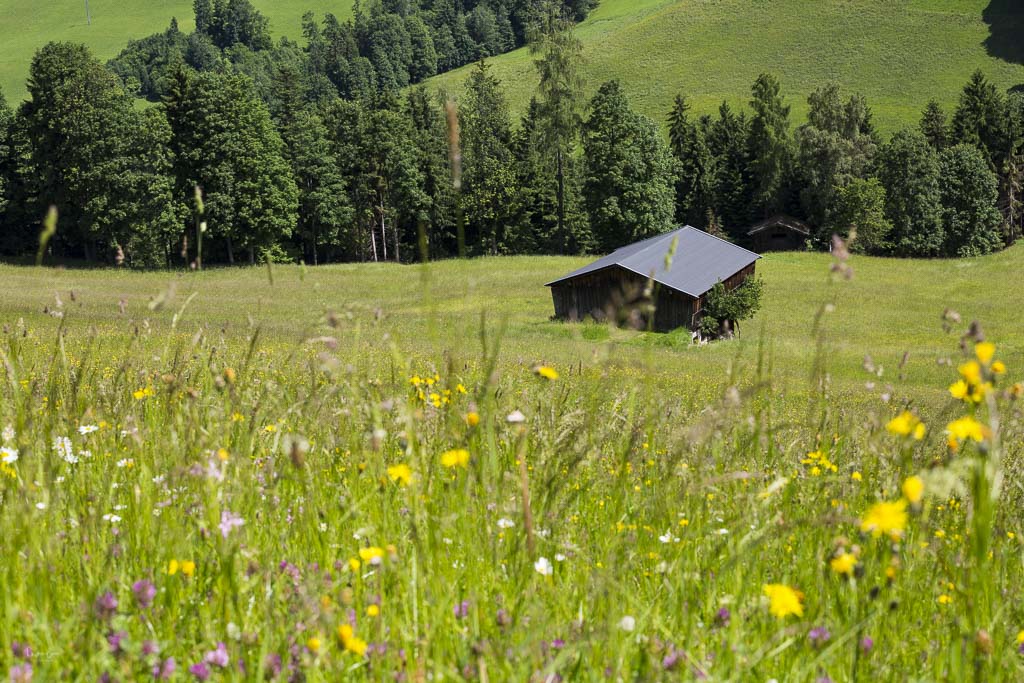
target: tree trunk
373 241
252 255
231 251
561 196
383 232
316 261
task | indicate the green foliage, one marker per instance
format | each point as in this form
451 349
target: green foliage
232 22
908 168
97 159
694 186
7 161
770 148
834 147
969 190
489 192
225 143
728 142
630 173
725 308
934 125
980 119
860 206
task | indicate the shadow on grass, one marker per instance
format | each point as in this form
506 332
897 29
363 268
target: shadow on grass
1005 19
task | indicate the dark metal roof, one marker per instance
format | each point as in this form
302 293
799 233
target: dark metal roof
700 260
783 221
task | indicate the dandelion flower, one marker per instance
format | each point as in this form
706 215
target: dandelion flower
985 351
888 518
913 489
843 564
472 419
371 555
458 457
546 372
350 642
783 600
313 645
944 599
401 474
966 428
373 610
906 424
188 568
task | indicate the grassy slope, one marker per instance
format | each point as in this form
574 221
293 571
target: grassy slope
26 25
898 53
884 311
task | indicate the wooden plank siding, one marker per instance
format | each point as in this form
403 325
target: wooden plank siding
620 295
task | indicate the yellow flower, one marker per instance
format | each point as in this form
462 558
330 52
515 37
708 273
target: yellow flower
372 611
188 568
966 428
458 457
546 372
913 489
885 518
460 388
172 567
401 474
313 645
354 564
270 429
356 646
959 390
1020 637
906 424
985 351
856 476
843 564
998 367
373 554
944 599
237 417
783 600
971 372
472 419
142 393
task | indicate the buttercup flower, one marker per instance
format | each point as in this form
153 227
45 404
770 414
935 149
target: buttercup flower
783 600
888 518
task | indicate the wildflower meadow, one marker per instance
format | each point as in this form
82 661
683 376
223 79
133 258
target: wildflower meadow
272 475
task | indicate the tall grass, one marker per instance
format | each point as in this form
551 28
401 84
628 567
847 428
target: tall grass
250 509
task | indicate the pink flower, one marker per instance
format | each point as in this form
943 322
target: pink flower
228 521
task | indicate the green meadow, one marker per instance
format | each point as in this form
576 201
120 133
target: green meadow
383 472
27 25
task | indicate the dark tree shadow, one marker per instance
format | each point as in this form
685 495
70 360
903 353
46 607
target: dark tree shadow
1005 19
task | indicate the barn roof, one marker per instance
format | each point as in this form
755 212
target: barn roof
783 221
700 260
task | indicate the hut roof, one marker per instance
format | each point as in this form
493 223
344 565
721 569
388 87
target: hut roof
700 260
781 221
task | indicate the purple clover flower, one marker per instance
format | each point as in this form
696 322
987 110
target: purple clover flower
219 657
21 673
106 606
144 592
866 644
200 671
162 671
461 609
818 636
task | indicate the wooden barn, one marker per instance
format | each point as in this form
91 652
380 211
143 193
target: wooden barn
633 286
779 233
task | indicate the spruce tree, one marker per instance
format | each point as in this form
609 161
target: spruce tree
727 142
629 187
490 192
980 119
934 126
695 183
769 147
560 95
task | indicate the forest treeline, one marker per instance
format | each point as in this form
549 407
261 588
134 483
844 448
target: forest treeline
328 151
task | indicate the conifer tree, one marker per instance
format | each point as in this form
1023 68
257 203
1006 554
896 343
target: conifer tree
770 149
695 184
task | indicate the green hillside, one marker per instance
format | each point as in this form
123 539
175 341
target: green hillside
900 53
26 25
